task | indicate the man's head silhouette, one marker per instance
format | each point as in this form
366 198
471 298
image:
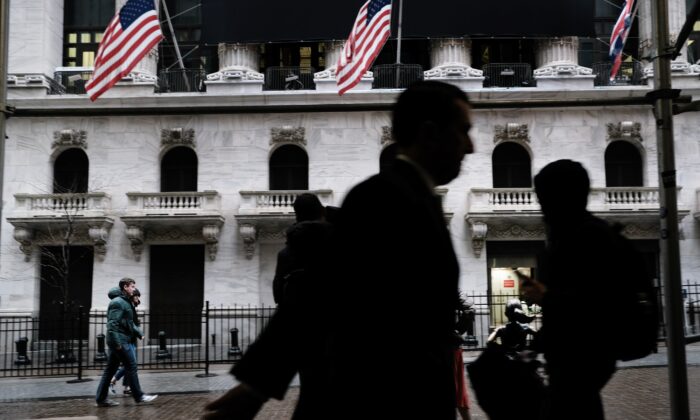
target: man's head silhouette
562 188
308 207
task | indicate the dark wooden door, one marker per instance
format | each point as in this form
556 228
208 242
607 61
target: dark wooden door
176 290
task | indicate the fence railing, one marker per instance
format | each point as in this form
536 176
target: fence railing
179 80
289 78
70 344
277 202
385 76
508 75
62 204
174 202
628 74
73 79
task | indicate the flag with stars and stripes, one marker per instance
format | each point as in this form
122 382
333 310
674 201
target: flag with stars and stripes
369 34
130 35
619 36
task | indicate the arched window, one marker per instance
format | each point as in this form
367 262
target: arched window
387 157
178 170
623 165
70 172
511 166
289 168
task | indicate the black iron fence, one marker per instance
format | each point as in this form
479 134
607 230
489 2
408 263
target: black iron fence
630 73
386 77
289 78
179 80
214 335
509 75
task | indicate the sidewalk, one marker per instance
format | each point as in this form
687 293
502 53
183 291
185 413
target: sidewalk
638 391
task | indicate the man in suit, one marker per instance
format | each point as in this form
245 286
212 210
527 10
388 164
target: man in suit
391 287
393 351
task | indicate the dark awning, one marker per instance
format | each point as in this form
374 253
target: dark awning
316 20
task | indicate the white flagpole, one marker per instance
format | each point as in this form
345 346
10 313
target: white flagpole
398 45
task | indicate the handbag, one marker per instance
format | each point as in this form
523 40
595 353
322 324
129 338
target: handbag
507 384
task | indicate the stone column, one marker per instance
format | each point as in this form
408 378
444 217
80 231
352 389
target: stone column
680 68
325 79
35 46
557 60
238 70
451 61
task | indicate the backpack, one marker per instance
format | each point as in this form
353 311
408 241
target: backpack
635 306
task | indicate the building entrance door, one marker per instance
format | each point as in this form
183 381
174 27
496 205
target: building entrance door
176 291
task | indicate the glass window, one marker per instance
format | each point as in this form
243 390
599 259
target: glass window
511 166
84 22
623 165
178 170
289 168
70 172
72 52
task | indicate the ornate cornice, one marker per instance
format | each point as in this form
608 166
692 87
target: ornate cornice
288 134
516 231
177 137
511 131
69 138
624 130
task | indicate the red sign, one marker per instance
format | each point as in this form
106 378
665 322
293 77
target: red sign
509 283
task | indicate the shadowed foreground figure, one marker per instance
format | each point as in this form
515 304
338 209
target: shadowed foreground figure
383 310
580 269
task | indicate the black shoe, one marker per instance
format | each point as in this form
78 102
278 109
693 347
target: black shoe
145 399
107 403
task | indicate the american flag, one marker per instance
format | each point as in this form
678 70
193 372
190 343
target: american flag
619 36
130 35
371 30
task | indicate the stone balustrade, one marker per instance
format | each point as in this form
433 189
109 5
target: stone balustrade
276 202
174 203
488 200
59 205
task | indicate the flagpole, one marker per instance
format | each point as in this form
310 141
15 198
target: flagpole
177 48
398 46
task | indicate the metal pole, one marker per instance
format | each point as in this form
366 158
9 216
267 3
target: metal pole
398 45
177 48
673 301
4 111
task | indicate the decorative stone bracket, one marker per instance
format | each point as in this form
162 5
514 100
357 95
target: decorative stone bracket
211 238
135 236
97 234
69 138
24 236
624 130
210 234
249 235
511 131
478 231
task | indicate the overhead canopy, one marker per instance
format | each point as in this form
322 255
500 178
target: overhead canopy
317 20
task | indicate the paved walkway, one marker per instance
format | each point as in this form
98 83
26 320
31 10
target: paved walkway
638 391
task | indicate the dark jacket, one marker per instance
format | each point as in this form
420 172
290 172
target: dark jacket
121 328
392 347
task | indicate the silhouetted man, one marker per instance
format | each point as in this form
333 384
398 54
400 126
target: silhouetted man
393 337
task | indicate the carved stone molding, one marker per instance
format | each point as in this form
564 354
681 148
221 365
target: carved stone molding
237 63
624 130
511 131
249 235
69 138
387 136
24 236
558 57
272 236
177 137
288 134
135 236
211 238
515 231
478 231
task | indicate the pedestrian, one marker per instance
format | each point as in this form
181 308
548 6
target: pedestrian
121 332
390 275
392 345
581 255
135 301
270 363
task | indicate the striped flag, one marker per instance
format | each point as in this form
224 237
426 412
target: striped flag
130 35
369 34
619 36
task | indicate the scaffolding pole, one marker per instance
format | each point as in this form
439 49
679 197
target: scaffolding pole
663 96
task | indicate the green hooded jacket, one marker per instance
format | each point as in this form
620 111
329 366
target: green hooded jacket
120 320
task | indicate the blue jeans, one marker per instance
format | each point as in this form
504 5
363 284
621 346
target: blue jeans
126 355
122 370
